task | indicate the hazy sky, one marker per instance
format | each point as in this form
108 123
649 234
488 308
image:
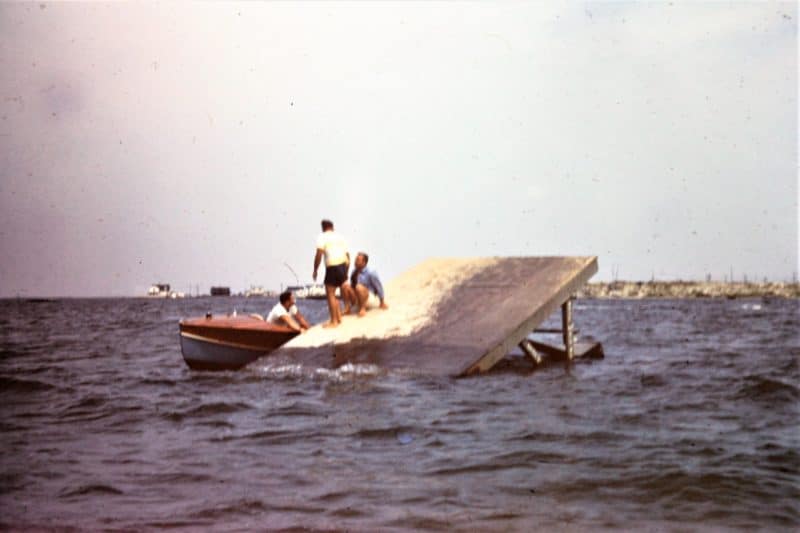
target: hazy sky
202 143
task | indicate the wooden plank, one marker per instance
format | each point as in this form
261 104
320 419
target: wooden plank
520 361
575 330
448 316
583 350
558 289
528 349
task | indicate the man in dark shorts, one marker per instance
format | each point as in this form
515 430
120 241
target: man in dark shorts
337 263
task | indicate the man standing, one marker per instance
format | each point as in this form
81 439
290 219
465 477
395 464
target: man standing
337 262
364 288
285 313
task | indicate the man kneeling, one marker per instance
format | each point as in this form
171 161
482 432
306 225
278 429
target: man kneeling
285 313
364 288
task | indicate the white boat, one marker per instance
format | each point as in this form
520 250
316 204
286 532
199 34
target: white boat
315 291
312 291
299 291
256 291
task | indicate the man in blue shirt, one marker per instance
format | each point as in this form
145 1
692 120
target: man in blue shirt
364 288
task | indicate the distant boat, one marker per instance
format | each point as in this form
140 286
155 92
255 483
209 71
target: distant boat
162 290
316 292
229 342
300 292
311 291
256 291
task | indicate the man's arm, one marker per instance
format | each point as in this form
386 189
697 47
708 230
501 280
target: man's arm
302 320
317 260
378 286
291 322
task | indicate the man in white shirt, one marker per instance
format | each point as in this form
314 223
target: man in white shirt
337 262
285 313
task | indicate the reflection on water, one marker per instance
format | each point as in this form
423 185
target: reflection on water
690 420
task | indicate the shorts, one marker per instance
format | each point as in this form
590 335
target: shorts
336 275
373 302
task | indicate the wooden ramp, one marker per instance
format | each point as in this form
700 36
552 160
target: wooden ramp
451 316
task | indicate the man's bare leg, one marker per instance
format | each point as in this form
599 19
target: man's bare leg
333 307
348 297
363 295
336 306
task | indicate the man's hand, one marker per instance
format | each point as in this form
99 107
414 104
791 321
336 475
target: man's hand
314 275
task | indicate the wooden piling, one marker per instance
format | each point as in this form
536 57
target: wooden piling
529 350
567 328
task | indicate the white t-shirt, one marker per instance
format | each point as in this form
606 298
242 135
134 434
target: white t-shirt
334 246
278 311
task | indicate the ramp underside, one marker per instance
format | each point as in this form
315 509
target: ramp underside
449 316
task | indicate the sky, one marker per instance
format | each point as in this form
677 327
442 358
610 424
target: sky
201 144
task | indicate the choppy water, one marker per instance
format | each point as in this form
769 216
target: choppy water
691 422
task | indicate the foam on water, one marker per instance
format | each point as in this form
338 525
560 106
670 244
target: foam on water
293 370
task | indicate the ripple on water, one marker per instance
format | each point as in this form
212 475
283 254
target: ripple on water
90 489
12 386
762 389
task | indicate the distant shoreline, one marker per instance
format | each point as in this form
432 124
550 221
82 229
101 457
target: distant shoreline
598 289
689 289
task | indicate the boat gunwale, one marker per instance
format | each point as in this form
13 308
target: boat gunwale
220 342
246 322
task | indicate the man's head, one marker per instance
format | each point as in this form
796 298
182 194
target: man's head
287 299
327 224
361 260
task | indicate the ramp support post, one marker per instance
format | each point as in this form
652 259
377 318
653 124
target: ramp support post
528 349
568 328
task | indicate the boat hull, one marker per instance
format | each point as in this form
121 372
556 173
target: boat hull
228 343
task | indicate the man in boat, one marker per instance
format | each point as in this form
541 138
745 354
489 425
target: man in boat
333 247
365 288
286 313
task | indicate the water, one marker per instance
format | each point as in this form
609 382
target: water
690 422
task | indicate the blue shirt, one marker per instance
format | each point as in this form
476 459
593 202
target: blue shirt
370 280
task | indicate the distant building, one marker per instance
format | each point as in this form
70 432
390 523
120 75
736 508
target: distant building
220 291
158 289
162 290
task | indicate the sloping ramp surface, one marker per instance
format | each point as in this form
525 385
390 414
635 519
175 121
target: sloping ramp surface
448 316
